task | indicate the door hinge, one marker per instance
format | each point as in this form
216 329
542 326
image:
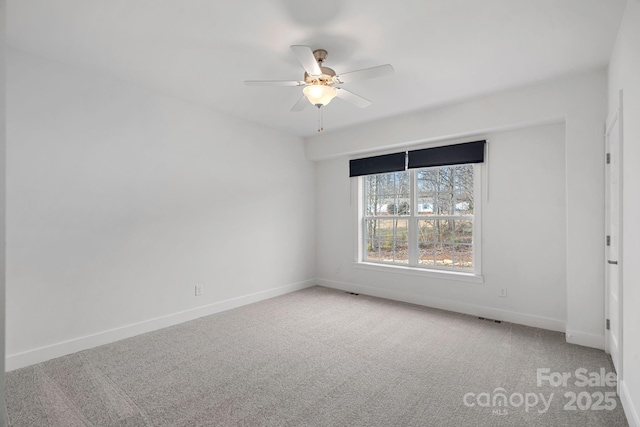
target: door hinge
608 324
608 158
608 240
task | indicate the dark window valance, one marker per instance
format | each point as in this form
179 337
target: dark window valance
458 154
377 164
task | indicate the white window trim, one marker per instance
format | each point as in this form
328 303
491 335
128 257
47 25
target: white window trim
357 191
420 271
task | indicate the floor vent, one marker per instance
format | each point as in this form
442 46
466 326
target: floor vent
490 320
352 293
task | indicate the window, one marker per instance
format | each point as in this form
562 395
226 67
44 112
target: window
424 218
387 201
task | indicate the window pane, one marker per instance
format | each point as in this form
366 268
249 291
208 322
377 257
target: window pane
426 257
426 206
402 183
445 243
401 250
445 191
463 204
387 194
463 231
402 232
374 241
463 257
387 240
385 229
427 181
373 250
387 206
444 203
464 190
464 177
444 255
446 176
401 254
397 206
371 188
426 231
404 207
444 230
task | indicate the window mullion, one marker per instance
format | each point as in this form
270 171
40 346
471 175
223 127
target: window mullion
364 241
413 220
477 215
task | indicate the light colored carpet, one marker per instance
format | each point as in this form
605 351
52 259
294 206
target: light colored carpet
316 357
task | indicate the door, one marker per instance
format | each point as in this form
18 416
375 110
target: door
613 276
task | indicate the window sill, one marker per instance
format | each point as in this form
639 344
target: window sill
423 272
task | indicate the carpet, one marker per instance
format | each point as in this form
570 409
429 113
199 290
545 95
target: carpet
322 357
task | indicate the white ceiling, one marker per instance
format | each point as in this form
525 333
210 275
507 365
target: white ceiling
203 50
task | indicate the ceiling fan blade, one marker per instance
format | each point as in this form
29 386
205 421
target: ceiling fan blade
366 73
307 60
352 98
302 103
273 83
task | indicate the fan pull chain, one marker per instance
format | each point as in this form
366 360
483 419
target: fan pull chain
320 119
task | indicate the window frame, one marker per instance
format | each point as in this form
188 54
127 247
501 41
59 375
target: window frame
413 267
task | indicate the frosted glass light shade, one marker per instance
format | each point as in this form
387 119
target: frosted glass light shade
319 94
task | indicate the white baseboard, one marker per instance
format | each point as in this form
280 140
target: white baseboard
629 409
459 307
38 355
584 339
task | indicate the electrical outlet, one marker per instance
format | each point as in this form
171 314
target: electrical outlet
502 292
338 270
198 290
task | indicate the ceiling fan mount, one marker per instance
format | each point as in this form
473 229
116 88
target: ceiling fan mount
320 55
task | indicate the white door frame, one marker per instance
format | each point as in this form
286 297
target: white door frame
615 120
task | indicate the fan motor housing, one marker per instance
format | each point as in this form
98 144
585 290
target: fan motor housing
327 77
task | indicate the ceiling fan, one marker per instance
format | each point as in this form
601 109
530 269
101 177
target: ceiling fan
321 84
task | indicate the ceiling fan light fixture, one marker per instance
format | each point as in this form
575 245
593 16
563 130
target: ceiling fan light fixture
319 95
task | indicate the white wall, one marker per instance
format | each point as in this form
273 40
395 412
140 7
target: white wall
120 201
624 73
579 101
2 205
523 229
